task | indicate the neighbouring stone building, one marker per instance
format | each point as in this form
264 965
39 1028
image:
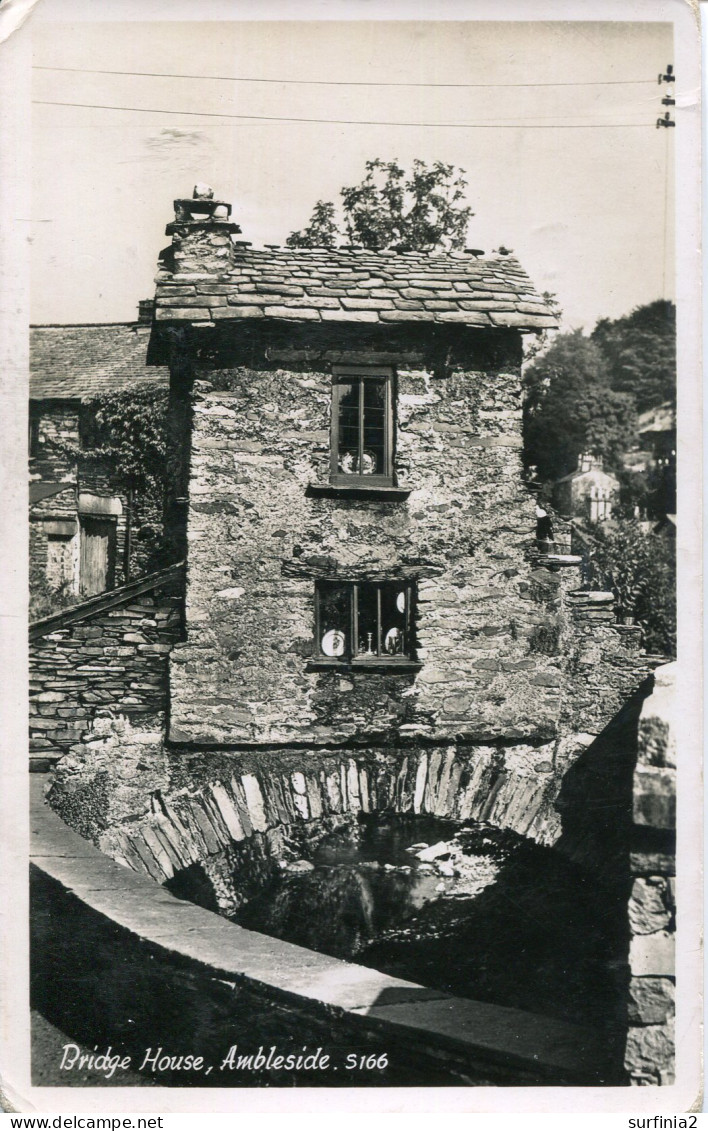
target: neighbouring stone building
657 433
370 624
588 492
80 519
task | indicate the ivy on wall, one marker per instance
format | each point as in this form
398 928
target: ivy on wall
125 435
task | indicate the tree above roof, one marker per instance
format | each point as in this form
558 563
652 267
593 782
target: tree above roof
391 209
640 349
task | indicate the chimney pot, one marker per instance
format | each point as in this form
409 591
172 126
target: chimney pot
145 311
203 192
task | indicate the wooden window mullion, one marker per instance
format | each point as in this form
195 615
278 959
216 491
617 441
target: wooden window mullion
334 441
388 400
361 426
407 649
355 620
356 378
378 620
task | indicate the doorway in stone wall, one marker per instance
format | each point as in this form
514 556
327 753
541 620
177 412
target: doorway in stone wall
98 554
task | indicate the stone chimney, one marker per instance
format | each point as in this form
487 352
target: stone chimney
589 462
201 234
146 306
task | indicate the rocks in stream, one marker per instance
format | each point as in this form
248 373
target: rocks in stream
471 871
434 852
297 866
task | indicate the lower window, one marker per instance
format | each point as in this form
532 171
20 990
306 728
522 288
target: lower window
364 622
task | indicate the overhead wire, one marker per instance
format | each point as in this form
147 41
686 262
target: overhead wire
342 82
348 121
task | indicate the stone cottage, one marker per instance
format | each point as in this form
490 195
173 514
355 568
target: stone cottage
370 624
588 492
356 514
79 519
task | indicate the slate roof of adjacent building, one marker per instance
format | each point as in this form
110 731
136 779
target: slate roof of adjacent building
595 472
77 362
661 418
353 285
46 490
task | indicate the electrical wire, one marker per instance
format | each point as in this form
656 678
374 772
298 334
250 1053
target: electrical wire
350 121
343 82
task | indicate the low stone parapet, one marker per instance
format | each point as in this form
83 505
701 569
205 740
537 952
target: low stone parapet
139 969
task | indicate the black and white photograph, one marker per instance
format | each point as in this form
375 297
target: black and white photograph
352 556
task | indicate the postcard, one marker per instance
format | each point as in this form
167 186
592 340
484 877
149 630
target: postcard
351 603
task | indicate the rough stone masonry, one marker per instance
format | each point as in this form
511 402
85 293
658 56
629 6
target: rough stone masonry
512 671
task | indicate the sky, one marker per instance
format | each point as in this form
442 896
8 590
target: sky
554 123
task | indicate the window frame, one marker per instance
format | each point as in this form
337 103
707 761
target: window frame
352 659
362 373
34 442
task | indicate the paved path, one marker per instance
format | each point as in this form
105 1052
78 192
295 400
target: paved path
47 1050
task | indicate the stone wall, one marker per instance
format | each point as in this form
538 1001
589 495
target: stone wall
183 808
93 661
606 803
650 1053
193 807
44 517
58 424
604 660
258 542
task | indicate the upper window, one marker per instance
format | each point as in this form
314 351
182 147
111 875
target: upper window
364 622
33 434
362 426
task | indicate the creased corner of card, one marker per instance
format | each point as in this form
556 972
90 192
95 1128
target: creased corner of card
13 14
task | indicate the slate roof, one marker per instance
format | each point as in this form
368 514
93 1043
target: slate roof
353 285
662 418
46 490
597 472
77 362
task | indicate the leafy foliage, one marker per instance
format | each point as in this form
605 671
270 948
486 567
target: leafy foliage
124 435
129 429
651 492
390 208
537 344
44 599
640 351
570 407
640 569
321 231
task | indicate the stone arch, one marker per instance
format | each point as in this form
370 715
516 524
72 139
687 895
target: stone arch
508 787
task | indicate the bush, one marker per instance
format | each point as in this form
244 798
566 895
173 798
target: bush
640 570
44 600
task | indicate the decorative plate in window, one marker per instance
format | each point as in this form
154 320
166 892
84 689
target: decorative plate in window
333 643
